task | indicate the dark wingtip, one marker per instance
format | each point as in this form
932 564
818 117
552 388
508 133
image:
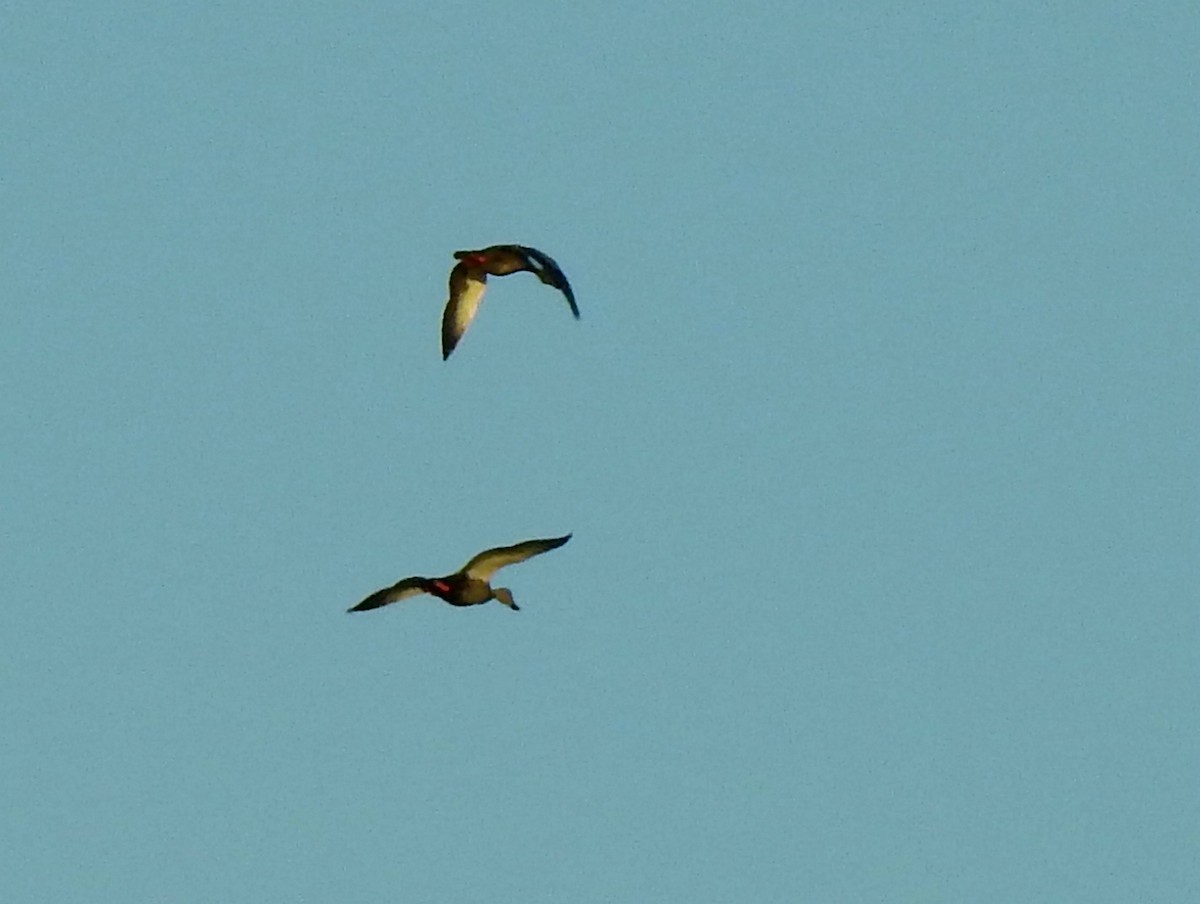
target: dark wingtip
374 601
569 295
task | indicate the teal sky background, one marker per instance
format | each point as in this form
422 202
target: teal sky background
878 437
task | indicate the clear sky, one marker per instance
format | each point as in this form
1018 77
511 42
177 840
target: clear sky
878 437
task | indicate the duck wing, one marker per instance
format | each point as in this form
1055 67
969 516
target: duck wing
488 562
401 590
551 274
467 286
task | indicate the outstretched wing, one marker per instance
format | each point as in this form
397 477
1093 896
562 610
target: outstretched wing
467 286
401 590
552 275
488 562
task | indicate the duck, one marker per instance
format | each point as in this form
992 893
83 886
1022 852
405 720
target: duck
471 584
468 282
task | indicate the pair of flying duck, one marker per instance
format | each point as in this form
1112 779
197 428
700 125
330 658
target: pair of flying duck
471 584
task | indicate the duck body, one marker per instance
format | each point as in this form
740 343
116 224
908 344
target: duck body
471 584
460 590
497 260
468 282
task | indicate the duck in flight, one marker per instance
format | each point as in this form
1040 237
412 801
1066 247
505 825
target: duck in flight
468 282
471 584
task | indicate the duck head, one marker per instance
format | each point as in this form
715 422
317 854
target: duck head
504 595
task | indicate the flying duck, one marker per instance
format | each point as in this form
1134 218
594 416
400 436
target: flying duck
468 282
470 585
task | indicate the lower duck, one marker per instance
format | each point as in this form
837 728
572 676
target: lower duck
471 584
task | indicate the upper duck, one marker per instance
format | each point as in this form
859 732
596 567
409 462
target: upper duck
471 584
468 282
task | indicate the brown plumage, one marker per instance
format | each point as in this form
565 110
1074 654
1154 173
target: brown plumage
471 584
468 282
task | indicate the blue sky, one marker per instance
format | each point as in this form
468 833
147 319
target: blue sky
878 437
